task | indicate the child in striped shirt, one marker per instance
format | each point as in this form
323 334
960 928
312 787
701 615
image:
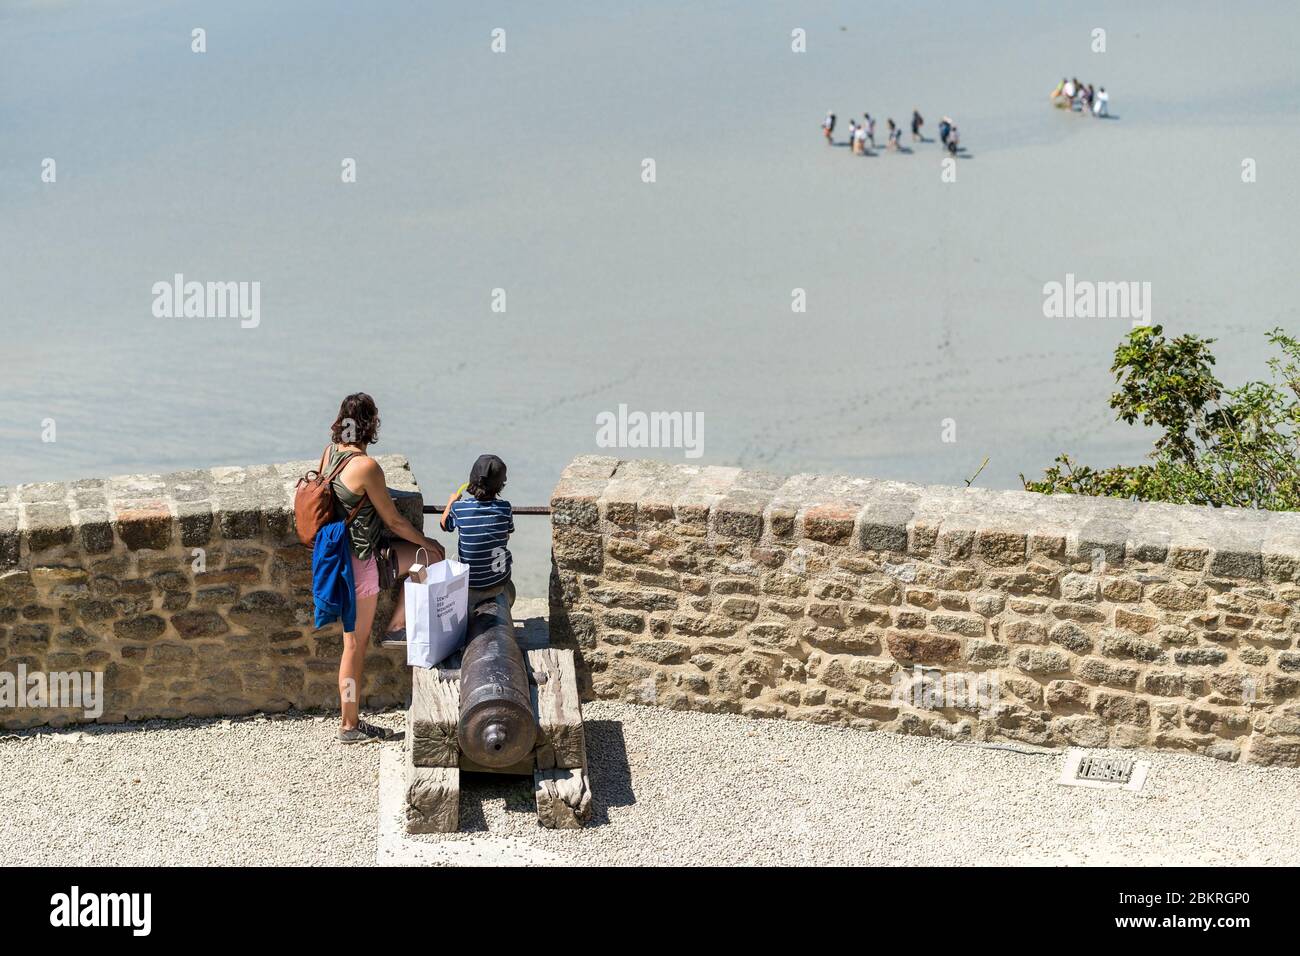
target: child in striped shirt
484 524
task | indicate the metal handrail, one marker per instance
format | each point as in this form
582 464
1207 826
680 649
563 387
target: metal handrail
525 510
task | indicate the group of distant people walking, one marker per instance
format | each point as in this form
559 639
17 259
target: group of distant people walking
862 136
1081 97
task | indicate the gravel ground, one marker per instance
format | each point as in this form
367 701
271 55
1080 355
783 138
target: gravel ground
669 788
273 790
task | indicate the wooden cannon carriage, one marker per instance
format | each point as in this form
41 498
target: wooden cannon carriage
521 698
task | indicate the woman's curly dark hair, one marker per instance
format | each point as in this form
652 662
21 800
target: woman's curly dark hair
359 418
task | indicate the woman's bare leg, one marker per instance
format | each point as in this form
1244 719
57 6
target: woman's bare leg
406 556
352 664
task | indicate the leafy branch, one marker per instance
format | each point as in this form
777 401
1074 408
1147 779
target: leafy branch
1216 446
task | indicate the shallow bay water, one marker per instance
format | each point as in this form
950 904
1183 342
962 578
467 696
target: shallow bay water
522 171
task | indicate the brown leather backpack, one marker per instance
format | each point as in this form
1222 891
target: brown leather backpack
313 500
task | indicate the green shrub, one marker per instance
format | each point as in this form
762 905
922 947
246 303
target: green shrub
1235 447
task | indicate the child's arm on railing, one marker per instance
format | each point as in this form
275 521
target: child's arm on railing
446 512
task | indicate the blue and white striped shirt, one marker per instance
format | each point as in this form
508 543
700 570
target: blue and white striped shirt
484 528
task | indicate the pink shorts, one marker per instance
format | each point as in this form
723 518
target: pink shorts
365 576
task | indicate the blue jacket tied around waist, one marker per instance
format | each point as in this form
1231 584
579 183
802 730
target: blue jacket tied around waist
332 587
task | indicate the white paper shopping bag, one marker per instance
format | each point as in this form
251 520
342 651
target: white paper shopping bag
436 613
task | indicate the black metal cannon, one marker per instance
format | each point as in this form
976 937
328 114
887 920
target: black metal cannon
497 727
508 703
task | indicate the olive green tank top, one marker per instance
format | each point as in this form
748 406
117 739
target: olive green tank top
366 527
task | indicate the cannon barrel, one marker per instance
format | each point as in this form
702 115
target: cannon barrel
497 727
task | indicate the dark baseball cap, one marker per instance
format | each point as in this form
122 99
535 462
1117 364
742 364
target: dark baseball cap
488 473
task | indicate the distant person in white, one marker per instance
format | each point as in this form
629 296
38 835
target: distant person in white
1101 103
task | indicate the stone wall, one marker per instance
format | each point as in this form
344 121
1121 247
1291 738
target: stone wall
189 592
877 604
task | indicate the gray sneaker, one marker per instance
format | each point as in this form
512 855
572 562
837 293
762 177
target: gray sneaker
375 733
356 736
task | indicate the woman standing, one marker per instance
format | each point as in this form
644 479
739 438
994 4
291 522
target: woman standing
361 480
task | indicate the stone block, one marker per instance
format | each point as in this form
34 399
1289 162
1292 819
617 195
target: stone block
922 648
145 525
